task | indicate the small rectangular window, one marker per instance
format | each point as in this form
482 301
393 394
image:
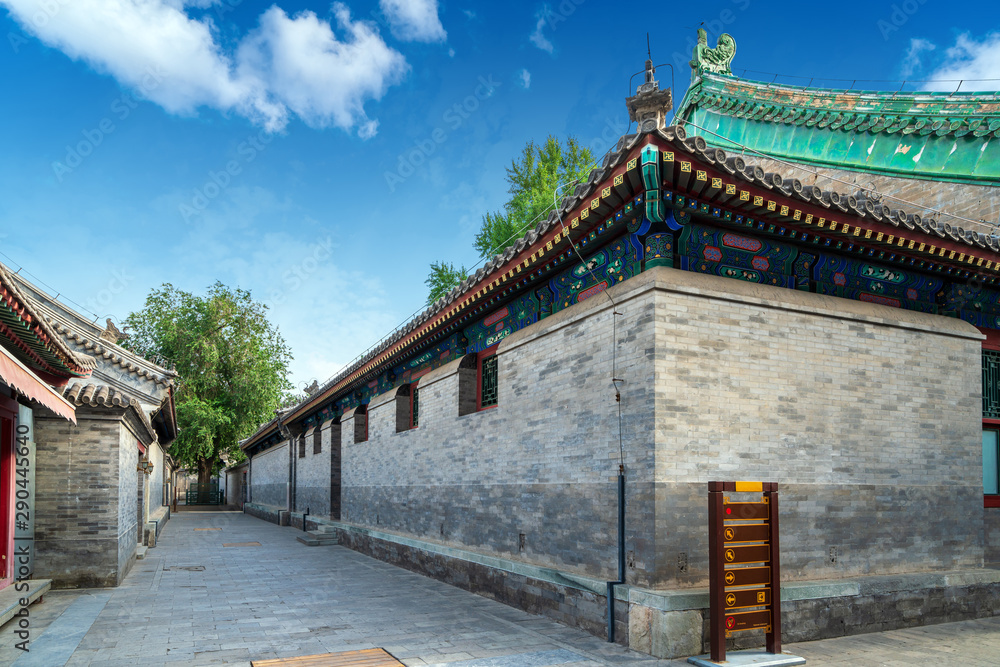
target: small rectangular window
414 407
991 384
488 388
302 446
991 462
317 442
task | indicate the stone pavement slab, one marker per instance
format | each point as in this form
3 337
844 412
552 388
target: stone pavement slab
192 601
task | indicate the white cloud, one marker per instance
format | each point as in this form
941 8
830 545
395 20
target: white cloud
286 66
538 37
525 77
305 68
414 20
969 60
911 63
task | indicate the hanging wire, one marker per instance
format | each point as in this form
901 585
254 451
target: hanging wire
52 290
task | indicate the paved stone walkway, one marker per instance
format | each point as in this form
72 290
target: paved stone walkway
194 601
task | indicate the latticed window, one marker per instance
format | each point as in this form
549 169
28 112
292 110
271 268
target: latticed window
488 372
415 408
991 384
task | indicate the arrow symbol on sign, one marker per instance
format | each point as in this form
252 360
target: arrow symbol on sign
730 577
731 600
730 555
730 534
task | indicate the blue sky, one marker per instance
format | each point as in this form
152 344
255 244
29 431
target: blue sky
322 155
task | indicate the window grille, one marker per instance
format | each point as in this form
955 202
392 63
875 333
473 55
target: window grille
991 384
488 382
415 407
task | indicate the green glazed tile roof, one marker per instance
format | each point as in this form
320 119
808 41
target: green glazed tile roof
938 136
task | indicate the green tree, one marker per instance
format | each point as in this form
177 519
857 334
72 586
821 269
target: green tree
532 179
231 362
443 277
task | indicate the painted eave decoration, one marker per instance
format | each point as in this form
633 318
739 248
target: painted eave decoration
32 340
940 136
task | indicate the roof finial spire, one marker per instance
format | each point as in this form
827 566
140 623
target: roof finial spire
650 105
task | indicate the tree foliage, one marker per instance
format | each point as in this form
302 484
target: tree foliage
443 277
231 363
532 180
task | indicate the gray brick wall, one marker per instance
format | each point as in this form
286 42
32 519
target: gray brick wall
270 476
312 477
542 464
868 417
128 516
991 522
85 525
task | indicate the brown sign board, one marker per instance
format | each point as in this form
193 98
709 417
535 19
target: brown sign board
734 555
747 620
747 576
751 532
741 511
743 533
747 597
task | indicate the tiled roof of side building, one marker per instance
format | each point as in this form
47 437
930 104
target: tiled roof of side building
940 136
30 336
82 332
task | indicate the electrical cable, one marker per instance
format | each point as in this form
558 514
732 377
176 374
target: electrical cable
51 289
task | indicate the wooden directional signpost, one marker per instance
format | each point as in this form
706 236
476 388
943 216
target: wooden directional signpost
744 573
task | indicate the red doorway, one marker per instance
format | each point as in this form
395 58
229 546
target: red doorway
8 413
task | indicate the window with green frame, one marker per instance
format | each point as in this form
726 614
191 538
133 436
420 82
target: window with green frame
991 384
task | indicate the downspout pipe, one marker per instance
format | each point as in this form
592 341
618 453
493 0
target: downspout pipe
621 554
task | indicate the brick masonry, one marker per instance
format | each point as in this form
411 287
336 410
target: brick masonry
270 476
866 416
991 520
313 471
86 528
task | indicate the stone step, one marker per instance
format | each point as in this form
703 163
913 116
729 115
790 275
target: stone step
317 540
12 596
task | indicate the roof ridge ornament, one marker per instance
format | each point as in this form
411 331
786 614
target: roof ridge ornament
715 60
650 106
